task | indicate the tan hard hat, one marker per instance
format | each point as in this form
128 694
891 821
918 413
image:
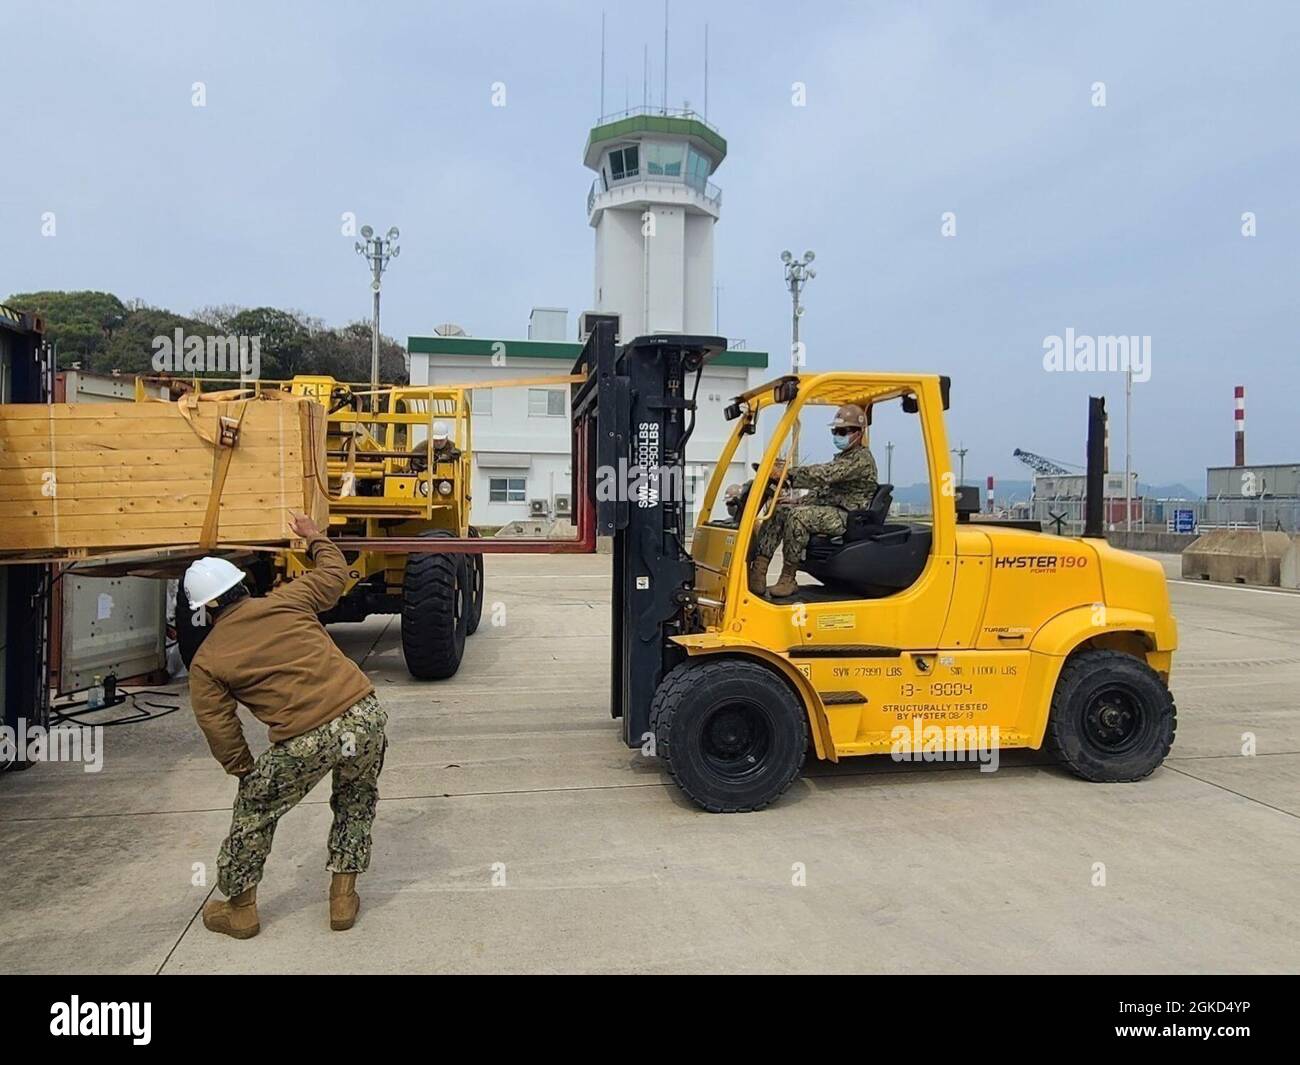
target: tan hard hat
850 416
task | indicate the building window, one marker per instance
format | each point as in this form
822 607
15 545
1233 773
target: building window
664 159
546 402
480 400
624 163
697 170
507 490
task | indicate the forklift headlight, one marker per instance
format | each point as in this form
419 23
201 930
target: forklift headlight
444 488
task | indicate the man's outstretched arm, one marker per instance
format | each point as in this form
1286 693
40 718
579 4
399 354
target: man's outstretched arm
318 589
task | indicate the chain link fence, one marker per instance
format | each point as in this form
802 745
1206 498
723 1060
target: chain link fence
1170 515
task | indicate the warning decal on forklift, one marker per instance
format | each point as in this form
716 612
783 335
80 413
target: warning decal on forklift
837 622
647 461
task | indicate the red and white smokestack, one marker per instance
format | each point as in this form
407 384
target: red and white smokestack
1239 421
989 493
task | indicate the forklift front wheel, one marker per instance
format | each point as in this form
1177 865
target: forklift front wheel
1113 720
732 733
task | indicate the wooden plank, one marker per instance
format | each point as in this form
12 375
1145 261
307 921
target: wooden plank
272 517
126 476
179 504
182 536
108 438
133 412
98 488
69 457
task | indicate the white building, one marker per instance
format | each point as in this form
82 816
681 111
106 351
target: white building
521 435
653 209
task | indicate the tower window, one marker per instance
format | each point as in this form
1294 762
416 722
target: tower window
697 170
624 163
665 159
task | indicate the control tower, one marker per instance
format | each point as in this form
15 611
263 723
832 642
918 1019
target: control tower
653 208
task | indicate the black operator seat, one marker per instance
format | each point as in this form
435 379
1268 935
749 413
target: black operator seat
860 524
874 558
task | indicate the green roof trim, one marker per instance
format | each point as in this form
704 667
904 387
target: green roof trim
682 127
543 349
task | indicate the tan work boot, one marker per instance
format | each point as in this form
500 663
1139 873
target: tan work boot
236 916
758 575
344 901
786 583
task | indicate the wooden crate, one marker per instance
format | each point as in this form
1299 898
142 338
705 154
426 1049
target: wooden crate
77 478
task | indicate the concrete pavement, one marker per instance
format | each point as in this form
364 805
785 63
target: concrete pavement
516 833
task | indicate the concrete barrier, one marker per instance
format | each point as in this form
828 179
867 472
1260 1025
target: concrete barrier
1291 565
1150 540
1237 556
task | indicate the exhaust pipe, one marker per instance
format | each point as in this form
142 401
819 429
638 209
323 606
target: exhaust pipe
1094 480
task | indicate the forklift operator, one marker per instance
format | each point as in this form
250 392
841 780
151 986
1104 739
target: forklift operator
273 655
845 483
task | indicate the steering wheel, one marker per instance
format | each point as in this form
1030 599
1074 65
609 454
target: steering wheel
340 398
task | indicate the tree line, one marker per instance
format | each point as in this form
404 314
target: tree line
100 332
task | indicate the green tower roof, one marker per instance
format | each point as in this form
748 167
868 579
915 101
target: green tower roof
702 135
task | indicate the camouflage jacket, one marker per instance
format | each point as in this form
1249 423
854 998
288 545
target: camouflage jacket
848 481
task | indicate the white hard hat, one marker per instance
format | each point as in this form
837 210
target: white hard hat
208 577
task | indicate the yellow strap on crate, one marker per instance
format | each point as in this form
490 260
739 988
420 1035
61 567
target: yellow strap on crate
226 441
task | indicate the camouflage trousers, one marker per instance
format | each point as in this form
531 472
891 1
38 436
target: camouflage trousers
352 747
792 525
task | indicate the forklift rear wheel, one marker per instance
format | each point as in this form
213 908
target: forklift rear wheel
475 567
435 610
1113 719
731 733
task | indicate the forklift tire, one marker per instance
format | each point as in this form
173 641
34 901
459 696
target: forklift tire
475 567
1113 719
434 613
732 733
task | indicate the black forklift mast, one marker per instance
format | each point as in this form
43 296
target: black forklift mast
632 417
1094 519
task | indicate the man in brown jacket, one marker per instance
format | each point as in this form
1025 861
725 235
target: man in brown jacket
273 655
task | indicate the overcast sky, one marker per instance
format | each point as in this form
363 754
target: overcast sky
1116 219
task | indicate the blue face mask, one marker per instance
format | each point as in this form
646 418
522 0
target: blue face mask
841 442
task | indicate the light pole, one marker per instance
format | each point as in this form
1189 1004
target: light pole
377 251
960 452
889 463
798 273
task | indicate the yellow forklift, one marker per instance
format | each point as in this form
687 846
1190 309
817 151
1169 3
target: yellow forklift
399 469
951 630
